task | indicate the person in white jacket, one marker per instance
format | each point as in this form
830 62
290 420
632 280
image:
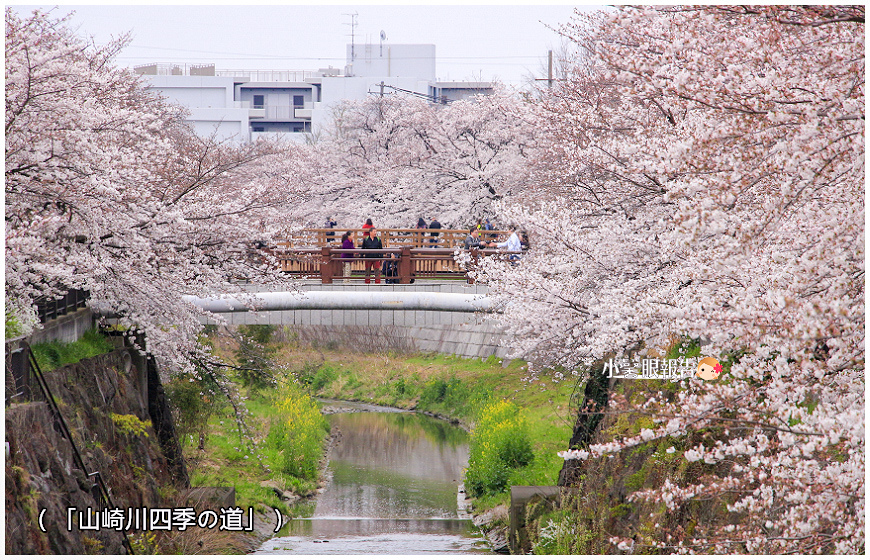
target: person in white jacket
512 244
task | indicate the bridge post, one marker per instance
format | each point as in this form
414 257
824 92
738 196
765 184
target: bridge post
406 267
326 265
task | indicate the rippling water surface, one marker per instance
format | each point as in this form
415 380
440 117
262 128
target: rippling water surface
392 489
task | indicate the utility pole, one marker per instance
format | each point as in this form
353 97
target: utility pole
550 70
382 88
549 79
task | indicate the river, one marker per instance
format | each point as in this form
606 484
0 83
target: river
392 488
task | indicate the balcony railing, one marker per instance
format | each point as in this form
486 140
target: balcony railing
175 69
391 237
286 112
270 75
399 265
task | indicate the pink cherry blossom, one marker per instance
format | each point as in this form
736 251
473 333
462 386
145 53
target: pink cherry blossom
703 176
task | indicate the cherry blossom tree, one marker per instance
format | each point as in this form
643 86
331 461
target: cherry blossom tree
704 178
108 190
397 158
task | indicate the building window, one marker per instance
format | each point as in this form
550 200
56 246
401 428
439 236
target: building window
298 101
258 128
259 101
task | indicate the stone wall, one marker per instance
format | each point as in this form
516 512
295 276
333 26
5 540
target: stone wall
43 475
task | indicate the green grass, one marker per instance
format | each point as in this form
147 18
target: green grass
52 355
227 460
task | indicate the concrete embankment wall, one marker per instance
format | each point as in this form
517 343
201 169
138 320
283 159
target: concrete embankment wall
66 328
449 332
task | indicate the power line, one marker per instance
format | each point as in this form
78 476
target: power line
262 56
427 97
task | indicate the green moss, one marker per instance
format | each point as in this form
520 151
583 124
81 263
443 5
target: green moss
634 482
92 545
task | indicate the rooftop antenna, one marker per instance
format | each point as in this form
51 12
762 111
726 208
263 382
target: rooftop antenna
352 24
383 38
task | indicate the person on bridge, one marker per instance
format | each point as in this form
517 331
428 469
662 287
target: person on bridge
421 224
346 263
434 224
473 239
512 244
487 226
368 225
330 224
372 260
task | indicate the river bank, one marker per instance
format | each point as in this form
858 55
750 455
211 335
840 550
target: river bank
453 389
444 387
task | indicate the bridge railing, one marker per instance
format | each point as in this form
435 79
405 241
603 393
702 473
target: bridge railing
391 237
411 263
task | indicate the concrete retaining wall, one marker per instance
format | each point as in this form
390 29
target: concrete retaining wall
66 328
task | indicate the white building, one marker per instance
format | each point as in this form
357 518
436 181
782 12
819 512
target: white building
243 104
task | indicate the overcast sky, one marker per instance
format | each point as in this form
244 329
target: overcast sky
505 42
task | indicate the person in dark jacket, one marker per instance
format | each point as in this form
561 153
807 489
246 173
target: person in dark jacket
418 238
347 265
330 224
391 269
473 239
372 241
434 224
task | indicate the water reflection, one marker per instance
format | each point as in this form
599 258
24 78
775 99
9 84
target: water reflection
392 490
391 465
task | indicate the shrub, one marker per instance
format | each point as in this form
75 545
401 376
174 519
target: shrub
324 376
434 391
192 404
261 334
255 356
499 445
453 396
130 425
306 373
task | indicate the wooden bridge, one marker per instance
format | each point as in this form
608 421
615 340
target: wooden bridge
416 253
